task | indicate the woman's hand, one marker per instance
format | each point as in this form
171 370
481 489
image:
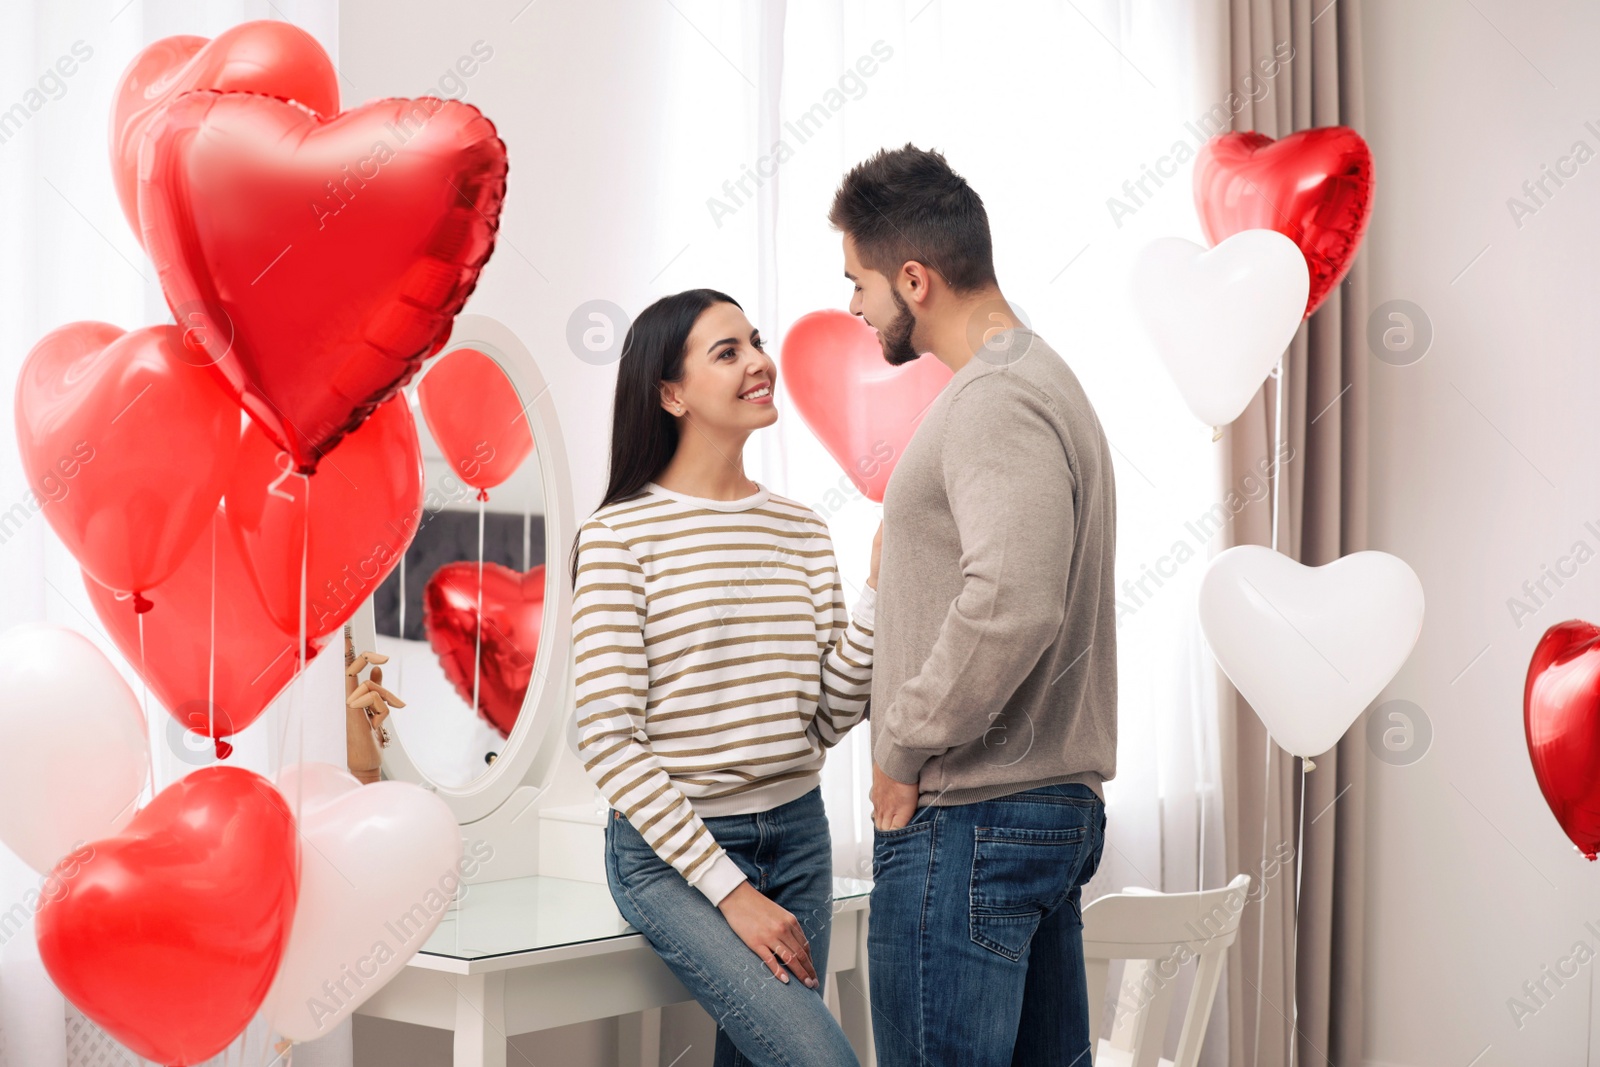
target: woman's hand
771 932
877 550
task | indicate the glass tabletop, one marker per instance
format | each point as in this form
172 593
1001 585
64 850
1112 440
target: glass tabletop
515 915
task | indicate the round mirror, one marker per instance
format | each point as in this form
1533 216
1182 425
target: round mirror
476 619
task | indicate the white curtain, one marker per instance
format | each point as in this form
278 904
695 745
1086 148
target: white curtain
1047 108
67 254
1050 109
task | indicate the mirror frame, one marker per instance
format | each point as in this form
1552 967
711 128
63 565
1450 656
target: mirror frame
531 753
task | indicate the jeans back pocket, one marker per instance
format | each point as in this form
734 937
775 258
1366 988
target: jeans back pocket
1019 875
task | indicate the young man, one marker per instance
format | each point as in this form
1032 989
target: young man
994 693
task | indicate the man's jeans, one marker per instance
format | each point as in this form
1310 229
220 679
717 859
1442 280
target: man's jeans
975 942
787 854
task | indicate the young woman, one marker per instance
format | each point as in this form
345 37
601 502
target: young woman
715 667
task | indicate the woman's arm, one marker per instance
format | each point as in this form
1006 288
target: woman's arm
613 684
847 661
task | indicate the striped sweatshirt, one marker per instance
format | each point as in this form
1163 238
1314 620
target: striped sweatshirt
715 664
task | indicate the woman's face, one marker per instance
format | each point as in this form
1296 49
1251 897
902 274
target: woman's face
728 379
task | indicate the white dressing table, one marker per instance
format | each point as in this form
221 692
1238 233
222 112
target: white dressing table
527 954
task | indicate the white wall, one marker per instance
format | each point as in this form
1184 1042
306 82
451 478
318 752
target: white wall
1483 473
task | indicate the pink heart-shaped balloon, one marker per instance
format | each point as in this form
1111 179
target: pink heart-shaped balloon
862 408
373 854
266 56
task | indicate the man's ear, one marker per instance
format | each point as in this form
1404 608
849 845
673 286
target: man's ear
914 279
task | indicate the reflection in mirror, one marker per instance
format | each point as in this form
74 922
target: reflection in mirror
479 554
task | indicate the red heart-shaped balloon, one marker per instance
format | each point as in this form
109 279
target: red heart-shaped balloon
862 408
253 660
1561 714
127 443
513 610
318 260
168 935
266 56
476 417
1314 187
366 506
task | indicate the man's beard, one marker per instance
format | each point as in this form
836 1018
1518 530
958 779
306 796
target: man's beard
895 337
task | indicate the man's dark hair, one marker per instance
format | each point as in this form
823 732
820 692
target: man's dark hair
907 204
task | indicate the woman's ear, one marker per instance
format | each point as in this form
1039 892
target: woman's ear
671 403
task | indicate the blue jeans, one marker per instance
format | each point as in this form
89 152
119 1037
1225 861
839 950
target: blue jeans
787 854
975 944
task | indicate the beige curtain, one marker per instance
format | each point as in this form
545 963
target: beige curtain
1323 516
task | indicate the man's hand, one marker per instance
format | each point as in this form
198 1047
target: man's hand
893 803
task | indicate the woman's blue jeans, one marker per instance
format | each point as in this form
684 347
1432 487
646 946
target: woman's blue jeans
787 854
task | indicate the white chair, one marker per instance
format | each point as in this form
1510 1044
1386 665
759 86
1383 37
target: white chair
1157 933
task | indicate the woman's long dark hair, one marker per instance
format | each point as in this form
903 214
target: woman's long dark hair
643 435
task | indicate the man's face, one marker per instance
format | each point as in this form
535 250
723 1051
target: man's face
882 307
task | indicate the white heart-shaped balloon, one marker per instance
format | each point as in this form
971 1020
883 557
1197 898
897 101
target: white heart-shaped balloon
73 749
1220 319
312 784
378 869
1309 647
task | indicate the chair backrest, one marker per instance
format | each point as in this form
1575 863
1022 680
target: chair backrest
1157 933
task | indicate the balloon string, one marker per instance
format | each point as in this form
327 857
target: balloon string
144 700
300 750
1280 372
401 664
283 475
299 711
211 667
1261 915
1299 861
477 645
